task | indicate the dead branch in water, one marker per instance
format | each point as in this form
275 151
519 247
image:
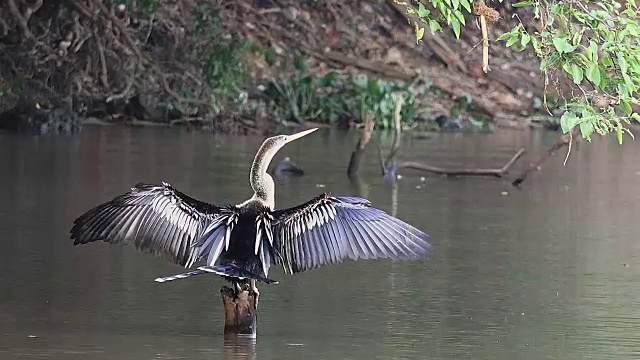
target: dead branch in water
562 141
358 152
390 168
397 136
497 172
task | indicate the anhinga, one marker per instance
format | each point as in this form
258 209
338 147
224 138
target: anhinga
240 242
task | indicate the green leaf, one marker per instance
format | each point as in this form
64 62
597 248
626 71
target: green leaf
525 40
593 47
434 26
593 74
548 61
536 45
299 63
619 134
522 4
420 34
586 129
328 79
577 73
626 107
577 37
568 121
603 79
562 45
559 44
628 83
504 36
512 40
456 4
373 86
607 61
422 11
622 62
636 117
455 25
460 16
466 5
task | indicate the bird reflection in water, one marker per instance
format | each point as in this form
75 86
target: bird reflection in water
285 169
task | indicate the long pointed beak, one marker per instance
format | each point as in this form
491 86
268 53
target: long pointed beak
297 136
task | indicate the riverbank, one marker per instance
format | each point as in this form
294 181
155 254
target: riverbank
254 66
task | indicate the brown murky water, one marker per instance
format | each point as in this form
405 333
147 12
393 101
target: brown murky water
548 272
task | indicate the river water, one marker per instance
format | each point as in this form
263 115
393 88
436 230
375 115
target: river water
547 272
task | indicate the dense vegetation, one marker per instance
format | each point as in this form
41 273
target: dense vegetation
594 42
232 65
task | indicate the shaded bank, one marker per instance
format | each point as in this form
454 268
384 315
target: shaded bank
235 66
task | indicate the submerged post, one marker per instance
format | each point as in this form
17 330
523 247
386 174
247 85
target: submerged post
239 312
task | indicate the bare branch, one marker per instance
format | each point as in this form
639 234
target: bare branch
358 152
104 77
498 172
484 13
23 18
562 141
397 135
125 34
4 28
389 167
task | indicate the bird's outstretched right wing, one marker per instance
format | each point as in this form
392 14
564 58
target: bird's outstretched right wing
161 220
327 230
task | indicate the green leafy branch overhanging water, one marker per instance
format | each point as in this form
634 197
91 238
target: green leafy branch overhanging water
596 43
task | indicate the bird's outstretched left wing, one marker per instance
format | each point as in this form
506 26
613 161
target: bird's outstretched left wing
161 220
327 230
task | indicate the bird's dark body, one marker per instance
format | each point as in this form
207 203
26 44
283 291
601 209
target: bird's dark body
241 252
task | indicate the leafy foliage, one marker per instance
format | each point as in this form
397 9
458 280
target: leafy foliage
301 97
377 97
328 98
594 42
221 58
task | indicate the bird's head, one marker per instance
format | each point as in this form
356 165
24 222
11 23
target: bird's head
261 181
275 143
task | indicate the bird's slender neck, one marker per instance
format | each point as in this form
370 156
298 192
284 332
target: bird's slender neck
261 182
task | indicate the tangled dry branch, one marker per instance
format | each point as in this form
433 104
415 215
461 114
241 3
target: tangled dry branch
83 51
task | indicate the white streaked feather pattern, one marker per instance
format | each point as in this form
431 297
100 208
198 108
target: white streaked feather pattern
327 230
161 220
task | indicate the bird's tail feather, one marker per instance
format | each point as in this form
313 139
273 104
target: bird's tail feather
232 270
229 270
180 276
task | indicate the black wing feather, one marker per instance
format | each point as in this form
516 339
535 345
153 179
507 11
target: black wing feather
161 220
327 230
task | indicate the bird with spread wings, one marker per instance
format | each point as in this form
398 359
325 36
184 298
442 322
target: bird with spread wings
241 242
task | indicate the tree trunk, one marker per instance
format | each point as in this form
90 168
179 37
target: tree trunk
239 312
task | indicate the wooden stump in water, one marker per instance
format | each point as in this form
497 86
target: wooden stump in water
239 312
